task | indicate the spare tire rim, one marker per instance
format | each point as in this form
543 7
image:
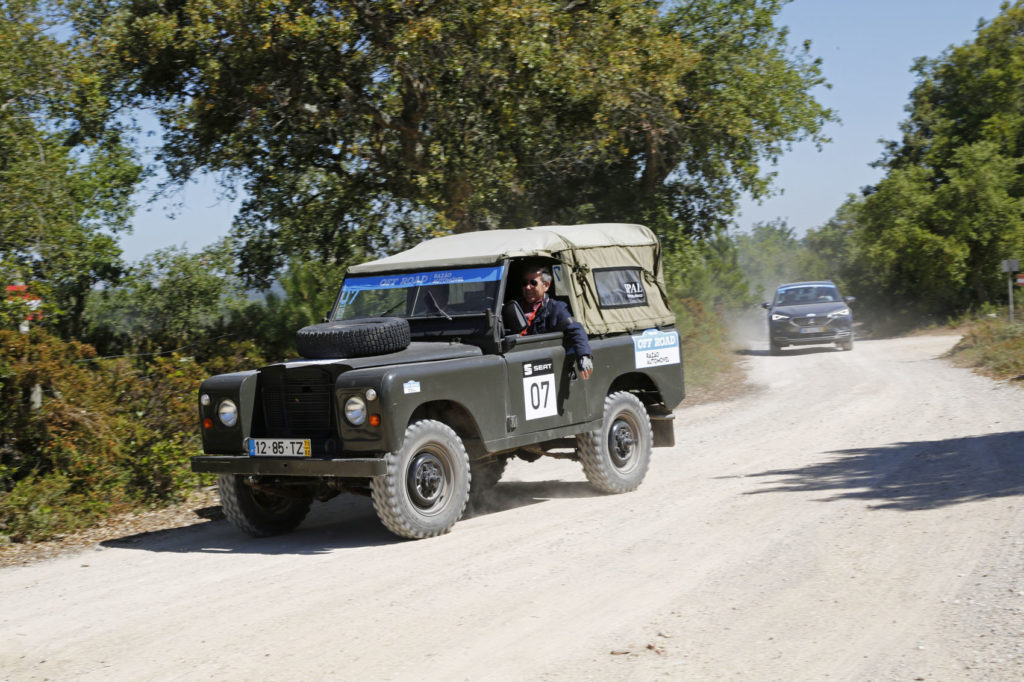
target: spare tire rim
426 480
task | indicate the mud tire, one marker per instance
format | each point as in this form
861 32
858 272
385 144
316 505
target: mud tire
426 488
353 338
616 456
484 476
257 513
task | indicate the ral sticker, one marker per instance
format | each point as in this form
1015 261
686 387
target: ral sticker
654 348
539 389
411 387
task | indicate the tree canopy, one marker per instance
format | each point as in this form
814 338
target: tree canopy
65 176
355 125
929 237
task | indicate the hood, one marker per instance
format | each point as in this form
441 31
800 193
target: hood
807 309
417 351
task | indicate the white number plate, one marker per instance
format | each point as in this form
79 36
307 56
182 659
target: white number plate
811 330
539 389
279 447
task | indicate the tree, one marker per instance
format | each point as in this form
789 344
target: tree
358 126
772 255
930 235
65 175
172 300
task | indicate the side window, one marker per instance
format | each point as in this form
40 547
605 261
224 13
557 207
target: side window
559 288
620 287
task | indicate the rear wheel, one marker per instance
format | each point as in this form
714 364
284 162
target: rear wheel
616 455
484 476
426 486
260 511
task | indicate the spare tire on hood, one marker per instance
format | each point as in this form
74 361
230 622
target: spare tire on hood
354 338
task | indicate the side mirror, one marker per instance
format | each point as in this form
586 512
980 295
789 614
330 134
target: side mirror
766 305
512 317
851 299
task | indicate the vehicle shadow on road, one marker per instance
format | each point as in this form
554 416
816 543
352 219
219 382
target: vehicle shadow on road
345 522
915 475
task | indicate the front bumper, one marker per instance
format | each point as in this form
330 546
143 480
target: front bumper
836 336
289 466
793 332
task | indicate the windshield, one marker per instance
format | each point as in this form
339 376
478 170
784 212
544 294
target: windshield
430 293
798 295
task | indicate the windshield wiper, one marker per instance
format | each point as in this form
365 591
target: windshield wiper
437 306
391 309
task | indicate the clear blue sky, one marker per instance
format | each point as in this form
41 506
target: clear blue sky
867 47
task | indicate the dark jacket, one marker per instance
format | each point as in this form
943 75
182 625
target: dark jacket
554 316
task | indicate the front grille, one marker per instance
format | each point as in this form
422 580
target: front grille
811 321
297 403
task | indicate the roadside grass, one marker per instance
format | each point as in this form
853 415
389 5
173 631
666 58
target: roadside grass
711 370
992 346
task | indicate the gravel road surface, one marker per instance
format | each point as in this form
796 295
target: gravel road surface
853 516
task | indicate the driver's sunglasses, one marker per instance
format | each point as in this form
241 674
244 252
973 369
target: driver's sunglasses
531 282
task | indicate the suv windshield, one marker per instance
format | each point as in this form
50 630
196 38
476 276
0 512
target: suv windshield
430 293
797 295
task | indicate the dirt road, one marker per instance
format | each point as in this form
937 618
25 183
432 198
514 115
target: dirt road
857 516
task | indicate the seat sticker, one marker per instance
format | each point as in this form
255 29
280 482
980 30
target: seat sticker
539 389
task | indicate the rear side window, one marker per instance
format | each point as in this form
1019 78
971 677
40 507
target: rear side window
620 287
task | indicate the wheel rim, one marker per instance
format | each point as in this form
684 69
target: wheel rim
621 443
271 504
427 480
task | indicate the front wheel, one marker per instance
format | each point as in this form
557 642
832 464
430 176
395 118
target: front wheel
615 456
846 345
259 511
426 486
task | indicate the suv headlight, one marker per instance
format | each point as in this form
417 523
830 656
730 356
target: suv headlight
355 410
778 316
839 313
227 412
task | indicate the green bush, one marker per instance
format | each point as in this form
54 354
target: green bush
40 507
994 346
81 437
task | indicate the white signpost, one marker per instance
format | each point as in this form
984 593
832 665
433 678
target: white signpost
1010 267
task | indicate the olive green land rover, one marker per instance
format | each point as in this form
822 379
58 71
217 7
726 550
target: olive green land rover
420 386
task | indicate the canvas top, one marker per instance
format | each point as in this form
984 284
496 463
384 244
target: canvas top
493 246
610 274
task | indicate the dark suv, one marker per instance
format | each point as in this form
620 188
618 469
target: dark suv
421 386
805 313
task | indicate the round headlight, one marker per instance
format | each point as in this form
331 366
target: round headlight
355 410
227 412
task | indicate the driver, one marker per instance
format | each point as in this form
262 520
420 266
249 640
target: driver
546 314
